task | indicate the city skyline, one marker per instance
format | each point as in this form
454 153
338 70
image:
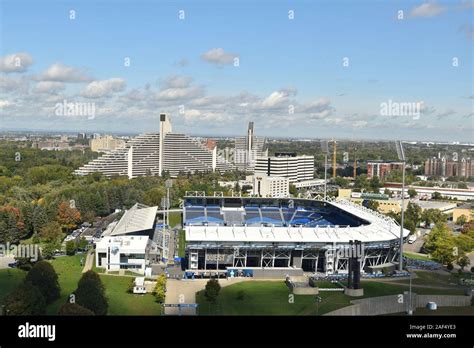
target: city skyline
212 67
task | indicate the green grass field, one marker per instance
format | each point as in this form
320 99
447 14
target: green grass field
416 256
182 243
272 298
434 279
69 272
123 303
268 298
120 302
175 219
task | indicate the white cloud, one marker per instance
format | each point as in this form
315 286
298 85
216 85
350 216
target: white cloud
176 81
18 62
278 99
183 94
48 87
218 56
103 88
62 73
4 103
428 9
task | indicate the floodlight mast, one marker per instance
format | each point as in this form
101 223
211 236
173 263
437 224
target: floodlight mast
401 157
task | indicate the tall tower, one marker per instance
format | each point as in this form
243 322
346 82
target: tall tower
165 127
334 161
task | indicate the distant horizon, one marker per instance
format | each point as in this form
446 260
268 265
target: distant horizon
203 135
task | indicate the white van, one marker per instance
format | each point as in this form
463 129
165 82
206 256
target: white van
412 239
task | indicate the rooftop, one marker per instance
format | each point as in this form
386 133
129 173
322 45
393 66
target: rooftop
138 218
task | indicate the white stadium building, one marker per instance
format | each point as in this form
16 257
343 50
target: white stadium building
260 235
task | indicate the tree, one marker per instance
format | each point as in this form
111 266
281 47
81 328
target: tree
11 225
82 245
463 261
71 247
68 216
74 309
461 220
372 204
160 289
212 290
413 213
293 191
412 193
44 277
90 293
433 216
388 192
48 250
51 232
341 182
375 184
25 300
436 195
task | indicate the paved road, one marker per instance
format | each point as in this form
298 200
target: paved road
5 260
89 261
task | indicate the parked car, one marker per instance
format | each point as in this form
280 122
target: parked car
412 239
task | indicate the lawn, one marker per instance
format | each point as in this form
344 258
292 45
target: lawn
272 298
434 279
69 271
123 303
10 278
416 256
182 243
175 219
120 302
268 298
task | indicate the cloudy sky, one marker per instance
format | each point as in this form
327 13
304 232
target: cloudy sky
296 68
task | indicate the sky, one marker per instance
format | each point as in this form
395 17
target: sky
339 69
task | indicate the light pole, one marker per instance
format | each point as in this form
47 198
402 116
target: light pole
401 157
409 300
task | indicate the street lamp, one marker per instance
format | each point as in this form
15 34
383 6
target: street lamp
325 149
401 157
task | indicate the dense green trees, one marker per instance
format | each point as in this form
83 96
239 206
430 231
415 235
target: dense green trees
25 300
90 293
212 290
44 277
160 289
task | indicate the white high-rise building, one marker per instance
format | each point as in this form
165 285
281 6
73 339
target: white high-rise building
156 153
287 165
247 149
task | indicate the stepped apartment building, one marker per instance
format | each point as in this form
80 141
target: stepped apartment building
156 153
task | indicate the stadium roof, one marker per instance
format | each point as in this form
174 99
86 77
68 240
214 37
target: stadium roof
380 229
138 218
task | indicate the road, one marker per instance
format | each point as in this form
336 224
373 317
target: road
89 261
5 260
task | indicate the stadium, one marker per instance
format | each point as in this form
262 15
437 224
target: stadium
284 236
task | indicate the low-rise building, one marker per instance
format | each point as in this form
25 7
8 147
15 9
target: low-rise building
270 186
124 252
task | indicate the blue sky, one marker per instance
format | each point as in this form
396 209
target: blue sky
185 67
